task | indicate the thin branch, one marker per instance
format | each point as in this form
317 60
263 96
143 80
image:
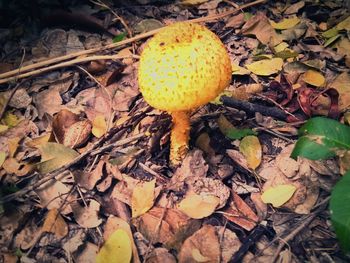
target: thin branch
118 44
64 64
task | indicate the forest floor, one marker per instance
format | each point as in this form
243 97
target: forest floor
84 160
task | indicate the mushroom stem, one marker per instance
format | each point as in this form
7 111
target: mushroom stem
180 135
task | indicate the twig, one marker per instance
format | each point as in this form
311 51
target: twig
251 108
292 234
118 44
53 174
102 4
64 64
160 178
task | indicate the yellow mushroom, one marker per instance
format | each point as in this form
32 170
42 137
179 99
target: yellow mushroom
182 67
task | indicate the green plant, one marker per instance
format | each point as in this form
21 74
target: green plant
322 138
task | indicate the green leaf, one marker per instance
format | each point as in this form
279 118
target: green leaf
321 138
330 33
119 37
236 134
331 40
340 211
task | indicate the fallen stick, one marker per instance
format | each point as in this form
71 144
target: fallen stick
63 64
47 62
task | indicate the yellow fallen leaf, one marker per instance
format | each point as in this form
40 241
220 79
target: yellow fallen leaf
54 223
10 119
345 24
3 128
238 70
250 147
266 67
198 206
142 198
117 248
278 195
314 78
99 126
285 23
281 46
2 157
36 142
13 145
198 257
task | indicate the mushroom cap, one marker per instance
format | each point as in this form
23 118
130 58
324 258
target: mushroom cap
183 66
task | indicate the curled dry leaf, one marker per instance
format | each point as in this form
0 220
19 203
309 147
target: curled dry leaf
260 27
208 186
198 206
240 213
87 216
278 195
54 223
142 198
167 226
341 84
77 134
88 180
202 246
61 122
69 130
116 249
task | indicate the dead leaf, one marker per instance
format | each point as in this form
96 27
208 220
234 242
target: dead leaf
89 253
203 244
12 166
314 78
286 23
260 27
235 21
54 223
167 226
142 198
229 243
266 67
278 195
251 149
54 156
341 84
61 122
117 248
88 180
198 206
87 216
240 213
114 223
294 8
160 254
2 158
47 101
99 126
53 194
13 145
238 70
203 143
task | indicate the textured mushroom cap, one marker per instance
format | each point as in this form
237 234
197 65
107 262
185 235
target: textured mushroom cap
182 67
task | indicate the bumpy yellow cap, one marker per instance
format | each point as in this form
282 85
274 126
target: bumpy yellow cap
182 67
